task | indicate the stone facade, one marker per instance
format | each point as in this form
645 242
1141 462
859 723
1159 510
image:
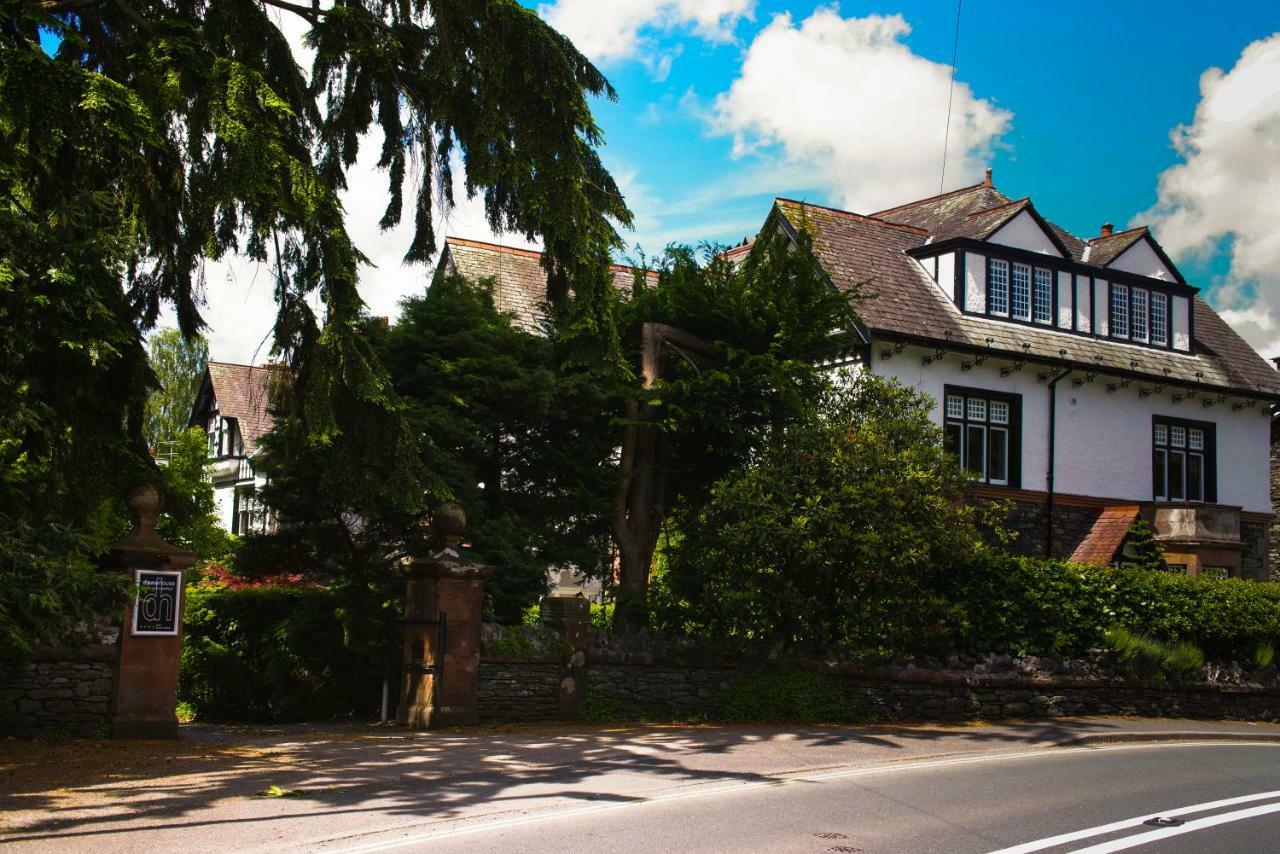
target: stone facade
1026 520
60 691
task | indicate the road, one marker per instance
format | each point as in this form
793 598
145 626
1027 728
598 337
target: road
656 788
1214 797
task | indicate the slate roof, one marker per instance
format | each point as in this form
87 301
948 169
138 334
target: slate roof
1103 250
519 282
908 305
1106 537
242 392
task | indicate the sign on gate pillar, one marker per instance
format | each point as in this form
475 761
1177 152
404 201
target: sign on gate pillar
145 691
444 600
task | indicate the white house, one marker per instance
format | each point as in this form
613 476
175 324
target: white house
1082 379
232 408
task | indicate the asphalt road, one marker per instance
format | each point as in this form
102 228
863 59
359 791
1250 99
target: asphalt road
1212 797
360 788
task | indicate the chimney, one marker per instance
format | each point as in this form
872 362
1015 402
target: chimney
1276 361
1107 228
384 322
986 181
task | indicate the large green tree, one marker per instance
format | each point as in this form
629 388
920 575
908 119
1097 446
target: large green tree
159 134
179 365
725 353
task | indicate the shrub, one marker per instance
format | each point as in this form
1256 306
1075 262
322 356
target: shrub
1152 656
274 654
1024 606
784 696
827 540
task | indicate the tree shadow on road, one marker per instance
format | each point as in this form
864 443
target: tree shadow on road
212 776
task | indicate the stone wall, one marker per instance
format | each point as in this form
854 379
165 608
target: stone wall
519 690
630 689
1255 558
59 691
1027 521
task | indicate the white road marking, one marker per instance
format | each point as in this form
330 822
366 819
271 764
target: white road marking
480 825
1189 827
1133 823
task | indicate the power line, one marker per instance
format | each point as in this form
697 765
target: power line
946 137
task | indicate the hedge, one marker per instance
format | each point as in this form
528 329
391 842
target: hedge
275 654
1025 606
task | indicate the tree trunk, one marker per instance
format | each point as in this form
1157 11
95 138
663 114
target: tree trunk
639 498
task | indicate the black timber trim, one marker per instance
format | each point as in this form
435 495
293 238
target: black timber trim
953 346
952 244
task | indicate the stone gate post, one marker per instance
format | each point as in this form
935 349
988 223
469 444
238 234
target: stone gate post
145 690
444 598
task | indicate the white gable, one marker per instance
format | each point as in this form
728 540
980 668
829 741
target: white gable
1141 259
1023 232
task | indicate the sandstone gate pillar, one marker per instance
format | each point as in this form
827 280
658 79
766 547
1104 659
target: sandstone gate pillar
570 615
145 690
444 597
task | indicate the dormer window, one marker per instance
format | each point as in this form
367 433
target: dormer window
1138 320
998 287
1119 311
1021 291
1159 319
1043 296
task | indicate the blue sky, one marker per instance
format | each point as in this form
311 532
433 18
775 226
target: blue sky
1094 90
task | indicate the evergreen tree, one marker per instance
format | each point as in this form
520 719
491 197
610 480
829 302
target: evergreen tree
162 133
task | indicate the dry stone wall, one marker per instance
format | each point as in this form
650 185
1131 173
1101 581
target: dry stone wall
59 691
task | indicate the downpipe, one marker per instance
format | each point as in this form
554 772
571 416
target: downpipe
1053 433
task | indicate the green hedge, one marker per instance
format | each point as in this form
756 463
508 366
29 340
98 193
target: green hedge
1036 607
275 654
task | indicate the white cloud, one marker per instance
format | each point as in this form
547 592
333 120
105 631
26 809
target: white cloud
621 29
1226 191
848 100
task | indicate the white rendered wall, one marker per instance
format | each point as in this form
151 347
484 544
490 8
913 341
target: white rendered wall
975 282
947 275
1180 322
1101 299
224 504
1023 232
1084 319
1140 258
1103 440
1064 300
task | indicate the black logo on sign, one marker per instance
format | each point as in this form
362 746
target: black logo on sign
156 612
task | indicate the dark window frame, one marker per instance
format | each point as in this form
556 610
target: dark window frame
1163 462
1149 287
1013 430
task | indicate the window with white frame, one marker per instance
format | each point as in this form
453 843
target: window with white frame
1043 296
983 429
1119 310
1183 460
998 287
1020 292
1138 317
1160 319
